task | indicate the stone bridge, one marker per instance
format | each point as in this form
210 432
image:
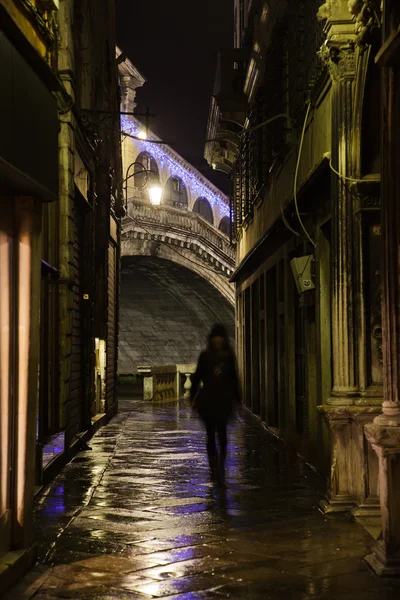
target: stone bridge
182 237
190 226
176 256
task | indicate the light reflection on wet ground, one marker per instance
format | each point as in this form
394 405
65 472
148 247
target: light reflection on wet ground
137 517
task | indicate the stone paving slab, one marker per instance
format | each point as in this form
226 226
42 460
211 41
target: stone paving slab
139 517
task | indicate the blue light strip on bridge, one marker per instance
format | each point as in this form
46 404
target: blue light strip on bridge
190 179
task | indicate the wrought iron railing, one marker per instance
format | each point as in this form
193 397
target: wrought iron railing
292 69
305 36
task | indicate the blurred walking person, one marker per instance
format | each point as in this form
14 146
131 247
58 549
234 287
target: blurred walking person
215 393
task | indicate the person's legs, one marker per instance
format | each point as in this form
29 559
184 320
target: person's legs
223 439
211 444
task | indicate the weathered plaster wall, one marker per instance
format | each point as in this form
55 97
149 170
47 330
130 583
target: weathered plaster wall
166 313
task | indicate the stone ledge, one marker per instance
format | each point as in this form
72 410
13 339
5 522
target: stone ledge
59 462
350 410
386 436
13 565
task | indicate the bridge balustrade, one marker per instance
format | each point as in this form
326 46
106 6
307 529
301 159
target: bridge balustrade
184 221
161 383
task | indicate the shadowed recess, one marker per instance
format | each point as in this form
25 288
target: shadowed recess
166 313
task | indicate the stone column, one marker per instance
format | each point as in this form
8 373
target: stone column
384 433
339 54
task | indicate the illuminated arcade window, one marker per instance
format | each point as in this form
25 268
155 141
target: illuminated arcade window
175 193
225 225
203 208
148 163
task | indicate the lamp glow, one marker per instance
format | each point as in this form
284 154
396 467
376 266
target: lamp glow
155 193
142 135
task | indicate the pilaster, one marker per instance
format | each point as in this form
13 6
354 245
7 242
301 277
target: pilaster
385 440
384 433
339 54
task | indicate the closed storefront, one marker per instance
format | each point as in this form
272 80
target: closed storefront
28 178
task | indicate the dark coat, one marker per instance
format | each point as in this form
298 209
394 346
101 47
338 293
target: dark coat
220 392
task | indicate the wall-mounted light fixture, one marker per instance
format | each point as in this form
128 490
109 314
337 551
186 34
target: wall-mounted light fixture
149 180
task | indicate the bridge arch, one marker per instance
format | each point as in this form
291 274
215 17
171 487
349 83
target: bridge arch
203 208
175 193
184 252
166 312
225 225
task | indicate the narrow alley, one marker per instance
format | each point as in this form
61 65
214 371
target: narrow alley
136 517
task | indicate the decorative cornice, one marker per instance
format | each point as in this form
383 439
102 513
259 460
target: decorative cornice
368 20
127 68
325 11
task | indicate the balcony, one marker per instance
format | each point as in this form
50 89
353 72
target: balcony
228 110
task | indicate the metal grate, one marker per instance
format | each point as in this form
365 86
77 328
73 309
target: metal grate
305 36
292 69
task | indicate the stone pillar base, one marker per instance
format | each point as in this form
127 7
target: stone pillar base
384 435
382 565
338 504
354 465
368 508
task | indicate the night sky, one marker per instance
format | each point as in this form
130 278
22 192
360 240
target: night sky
174 45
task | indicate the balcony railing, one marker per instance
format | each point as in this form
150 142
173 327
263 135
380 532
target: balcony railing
292 69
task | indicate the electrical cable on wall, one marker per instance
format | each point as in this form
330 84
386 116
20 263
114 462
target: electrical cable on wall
217 139
296 175
286 223
340 175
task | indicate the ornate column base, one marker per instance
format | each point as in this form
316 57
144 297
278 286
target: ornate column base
365 463
340 497
354 469
381 564
336 504
384 435
367 508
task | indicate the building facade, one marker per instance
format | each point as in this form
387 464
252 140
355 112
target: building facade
296 114
60 205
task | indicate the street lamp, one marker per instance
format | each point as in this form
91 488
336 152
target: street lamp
155 193
150 181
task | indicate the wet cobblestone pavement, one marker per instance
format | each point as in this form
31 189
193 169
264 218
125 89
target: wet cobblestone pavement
137 517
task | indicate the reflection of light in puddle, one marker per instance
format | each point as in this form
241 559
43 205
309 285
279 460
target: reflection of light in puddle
153 589
184 553
98 533
55 504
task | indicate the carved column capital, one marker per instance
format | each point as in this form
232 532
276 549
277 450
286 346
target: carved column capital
340 60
